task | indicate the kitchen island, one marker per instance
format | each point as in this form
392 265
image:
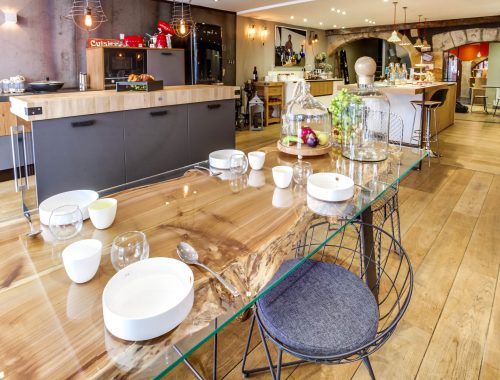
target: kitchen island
400 97
103 140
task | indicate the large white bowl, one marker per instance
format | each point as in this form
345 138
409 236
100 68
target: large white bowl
80 198
221 159
330 187
148 298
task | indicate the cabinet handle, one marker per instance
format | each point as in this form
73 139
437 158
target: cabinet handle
86 123
158 113
166 53
213 106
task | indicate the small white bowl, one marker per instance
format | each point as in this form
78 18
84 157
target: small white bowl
80 198
330 187
102 212
256 160
221 159
81 259
282 176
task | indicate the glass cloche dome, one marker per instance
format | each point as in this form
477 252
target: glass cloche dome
365 120
306 126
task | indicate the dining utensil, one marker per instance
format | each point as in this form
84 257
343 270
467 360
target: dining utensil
148 298
221 159
257 160
238 164
66 222
81 259
102 212
330 187
190 256
128 248
80 198
33 232
282 176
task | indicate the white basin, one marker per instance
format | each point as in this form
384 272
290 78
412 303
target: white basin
148 298
80 198
221 159
330 187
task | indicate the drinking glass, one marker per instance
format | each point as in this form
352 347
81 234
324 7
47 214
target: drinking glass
238 164
129 248
301 171
66 222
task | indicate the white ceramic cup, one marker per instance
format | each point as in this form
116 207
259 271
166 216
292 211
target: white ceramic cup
81 259
256 160
102 212
282 176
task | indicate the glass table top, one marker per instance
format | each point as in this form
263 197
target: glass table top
242 226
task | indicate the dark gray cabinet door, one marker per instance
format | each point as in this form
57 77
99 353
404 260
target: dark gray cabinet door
167 65
211 127
156 141
83 152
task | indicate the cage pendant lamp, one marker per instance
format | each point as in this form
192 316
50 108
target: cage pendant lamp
394 36
87 14
181 21
405 41
425 44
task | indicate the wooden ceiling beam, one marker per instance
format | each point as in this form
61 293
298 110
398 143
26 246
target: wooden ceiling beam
414 25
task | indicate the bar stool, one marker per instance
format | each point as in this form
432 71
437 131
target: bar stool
478 92
437 100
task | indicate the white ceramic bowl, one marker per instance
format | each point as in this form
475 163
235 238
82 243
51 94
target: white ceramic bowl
148 298
81 259
256 160
80 198
221 159
330 187
102 212
282 176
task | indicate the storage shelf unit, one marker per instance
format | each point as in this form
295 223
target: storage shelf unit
272 95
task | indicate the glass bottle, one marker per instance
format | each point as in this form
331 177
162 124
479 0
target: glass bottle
365 120
392 74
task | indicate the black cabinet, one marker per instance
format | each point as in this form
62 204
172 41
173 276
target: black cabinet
210 127
83 152
167 66
155 141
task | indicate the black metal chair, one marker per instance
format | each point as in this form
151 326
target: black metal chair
327 311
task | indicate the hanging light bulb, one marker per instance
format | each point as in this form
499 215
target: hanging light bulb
405 41
418 43
394 36
88 18
181 17
182 29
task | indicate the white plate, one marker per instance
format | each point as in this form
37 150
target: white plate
330 187
221 159
148 298
80 198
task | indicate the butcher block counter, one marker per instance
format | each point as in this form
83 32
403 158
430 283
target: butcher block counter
107 140
64 104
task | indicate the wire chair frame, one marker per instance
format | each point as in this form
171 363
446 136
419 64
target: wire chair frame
393 286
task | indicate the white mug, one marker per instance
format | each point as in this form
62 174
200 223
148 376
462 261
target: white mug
256 160
282 176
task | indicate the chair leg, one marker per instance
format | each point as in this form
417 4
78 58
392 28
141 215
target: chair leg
368 366
438 153
266 349
278 368
485 106
249 339
496 106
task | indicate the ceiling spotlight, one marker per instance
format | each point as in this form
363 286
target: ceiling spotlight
343 27
292 17
321 23
366 20
305 20
343 13
333 9
334 25
338 10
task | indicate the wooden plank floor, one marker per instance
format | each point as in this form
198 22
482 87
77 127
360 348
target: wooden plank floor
450 215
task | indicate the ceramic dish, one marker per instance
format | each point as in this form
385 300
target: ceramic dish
148 298
80 198
221 159
330 187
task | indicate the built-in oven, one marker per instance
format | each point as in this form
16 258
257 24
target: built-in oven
120 63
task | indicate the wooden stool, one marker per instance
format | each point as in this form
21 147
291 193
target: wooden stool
484 98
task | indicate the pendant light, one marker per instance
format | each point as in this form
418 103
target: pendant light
425 44
87 14
182 21
405 41
394 36
418 43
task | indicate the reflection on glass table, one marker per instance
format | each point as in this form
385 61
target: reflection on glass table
234 225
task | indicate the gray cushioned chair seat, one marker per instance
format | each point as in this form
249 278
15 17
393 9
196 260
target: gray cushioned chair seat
321 309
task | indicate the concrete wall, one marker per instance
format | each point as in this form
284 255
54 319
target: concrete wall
45 43
250 53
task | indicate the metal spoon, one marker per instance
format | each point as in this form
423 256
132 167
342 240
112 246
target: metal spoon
32 232
189 255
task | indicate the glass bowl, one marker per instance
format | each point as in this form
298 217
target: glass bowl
128 248
66 222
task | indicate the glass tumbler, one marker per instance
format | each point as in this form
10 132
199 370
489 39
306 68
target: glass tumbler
238 164
128 248
66 222
301 171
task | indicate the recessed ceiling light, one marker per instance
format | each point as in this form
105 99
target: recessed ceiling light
343 27
321 23
292 17
335 25
366 20
305 20
333 9
343 12
338 10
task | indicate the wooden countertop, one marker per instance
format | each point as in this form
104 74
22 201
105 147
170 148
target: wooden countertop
58 105
409 89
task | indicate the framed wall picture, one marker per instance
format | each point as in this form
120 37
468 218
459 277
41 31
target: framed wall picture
289 46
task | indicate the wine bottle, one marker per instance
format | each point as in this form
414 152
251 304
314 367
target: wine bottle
255 77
